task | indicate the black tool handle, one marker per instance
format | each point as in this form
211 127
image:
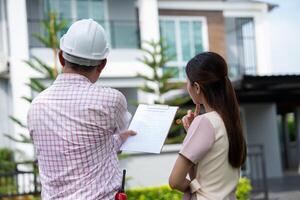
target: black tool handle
123 181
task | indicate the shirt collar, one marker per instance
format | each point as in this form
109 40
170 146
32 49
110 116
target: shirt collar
71 78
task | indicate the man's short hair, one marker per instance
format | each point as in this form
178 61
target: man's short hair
80 64
79 68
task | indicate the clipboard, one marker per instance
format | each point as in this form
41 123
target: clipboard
152 124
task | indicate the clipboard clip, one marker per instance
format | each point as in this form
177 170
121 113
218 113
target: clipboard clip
158 106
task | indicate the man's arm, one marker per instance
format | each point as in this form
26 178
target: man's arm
122 118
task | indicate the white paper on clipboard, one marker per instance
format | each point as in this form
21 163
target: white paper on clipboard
152 124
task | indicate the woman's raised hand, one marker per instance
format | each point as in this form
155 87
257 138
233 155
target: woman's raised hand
189 117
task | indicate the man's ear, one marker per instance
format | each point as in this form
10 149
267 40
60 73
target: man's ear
61 58
102 65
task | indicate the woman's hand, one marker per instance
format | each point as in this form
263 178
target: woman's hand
190 116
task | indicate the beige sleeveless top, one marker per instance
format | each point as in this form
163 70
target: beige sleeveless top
206 145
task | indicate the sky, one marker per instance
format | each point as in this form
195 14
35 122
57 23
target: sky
284 35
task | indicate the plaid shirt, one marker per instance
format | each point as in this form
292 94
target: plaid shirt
74 125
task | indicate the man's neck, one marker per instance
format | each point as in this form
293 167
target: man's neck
70 71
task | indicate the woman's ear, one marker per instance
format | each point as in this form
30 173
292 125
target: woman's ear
197 87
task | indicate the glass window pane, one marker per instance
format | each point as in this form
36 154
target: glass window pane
121 30
97 10
61 7
185 40
167 28
82 9
197 36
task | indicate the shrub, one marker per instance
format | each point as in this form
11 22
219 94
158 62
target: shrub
243 189
153 193
7 165
165 193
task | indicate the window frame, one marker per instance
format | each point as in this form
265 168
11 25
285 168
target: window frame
180 63
73 9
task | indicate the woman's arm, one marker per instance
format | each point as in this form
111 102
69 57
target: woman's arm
177 179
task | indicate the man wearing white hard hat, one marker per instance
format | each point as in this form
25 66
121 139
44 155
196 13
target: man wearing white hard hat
76 125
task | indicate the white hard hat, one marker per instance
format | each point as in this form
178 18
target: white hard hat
84 43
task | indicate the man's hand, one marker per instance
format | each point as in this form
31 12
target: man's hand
126 134
190 116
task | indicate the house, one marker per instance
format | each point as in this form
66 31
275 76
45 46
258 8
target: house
233 28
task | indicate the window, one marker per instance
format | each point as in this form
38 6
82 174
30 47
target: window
185 37
77 9
121 26
72 10
241 49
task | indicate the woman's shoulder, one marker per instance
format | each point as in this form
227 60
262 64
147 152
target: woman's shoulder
212 118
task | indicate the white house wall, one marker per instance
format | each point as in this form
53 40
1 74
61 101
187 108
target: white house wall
5 107
261 128
19 73
144 170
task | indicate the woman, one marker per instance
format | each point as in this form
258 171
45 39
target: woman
214 148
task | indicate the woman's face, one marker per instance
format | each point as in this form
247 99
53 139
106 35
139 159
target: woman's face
194 91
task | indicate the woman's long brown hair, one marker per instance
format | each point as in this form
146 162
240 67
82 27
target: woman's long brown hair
210 71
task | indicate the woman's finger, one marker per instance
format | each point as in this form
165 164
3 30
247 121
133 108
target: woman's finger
197 110
185 122
189 113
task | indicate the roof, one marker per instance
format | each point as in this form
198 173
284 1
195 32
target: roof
271 6
284 90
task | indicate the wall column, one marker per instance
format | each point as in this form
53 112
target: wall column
148 20
19 71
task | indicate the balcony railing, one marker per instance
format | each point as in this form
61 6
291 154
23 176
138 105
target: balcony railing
122 34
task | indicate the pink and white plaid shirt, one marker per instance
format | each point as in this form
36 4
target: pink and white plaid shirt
74 125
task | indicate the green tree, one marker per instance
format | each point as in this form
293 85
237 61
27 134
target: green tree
52 27
159 83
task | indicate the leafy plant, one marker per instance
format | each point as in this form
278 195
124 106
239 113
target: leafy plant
165 193
7 165
159 82
153 193
243 189
52 27
6 160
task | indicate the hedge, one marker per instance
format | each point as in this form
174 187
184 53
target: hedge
165 193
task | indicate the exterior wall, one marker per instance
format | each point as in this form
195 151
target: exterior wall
145 170
5 108
215 24
262 128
